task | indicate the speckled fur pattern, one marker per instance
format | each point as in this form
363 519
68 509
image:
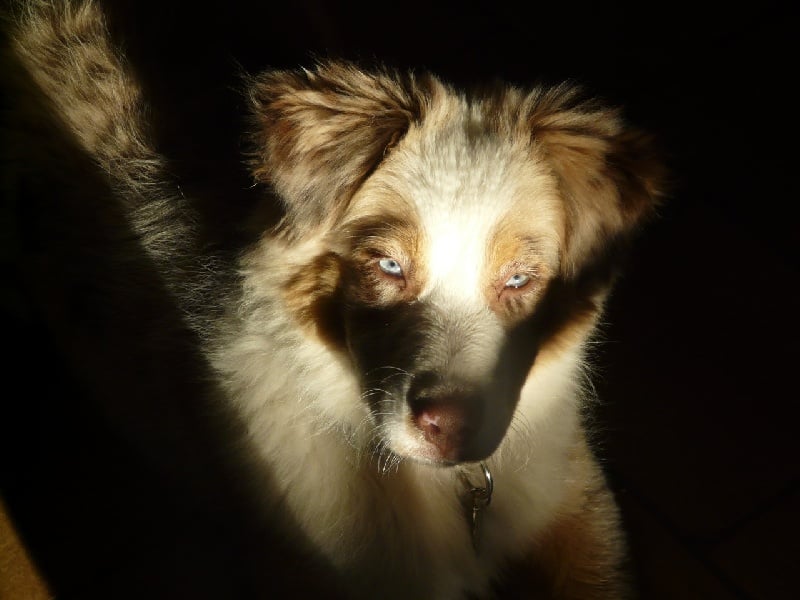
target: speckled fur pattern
317 344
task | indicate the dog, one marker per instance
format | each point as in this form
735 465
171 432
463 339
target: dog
406 347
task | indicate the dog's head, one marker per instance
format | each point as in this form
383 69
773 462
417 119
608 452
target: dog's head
457 237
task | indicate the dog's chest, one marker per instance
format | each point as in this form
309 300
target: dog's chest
407 532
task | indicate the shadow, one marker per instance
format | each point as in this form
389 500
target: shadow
119 465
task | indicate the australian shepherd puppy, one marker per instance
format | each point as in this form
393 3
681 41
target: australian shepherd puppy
406 347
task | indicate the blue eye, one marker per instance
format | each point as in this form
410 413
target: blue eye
517 280
391 267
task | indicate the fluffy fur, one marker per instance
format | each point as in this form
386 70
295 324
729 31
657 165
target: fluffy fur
424 304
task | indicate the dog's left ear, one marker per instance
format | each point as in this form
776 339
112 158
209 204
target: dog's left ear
610 175
319 133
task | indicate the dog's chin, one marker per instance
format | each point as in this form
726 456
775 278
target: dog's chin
429 458
410 445
433 458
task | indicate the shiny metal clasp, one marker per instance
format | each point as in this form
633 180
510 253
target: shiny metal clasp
478 498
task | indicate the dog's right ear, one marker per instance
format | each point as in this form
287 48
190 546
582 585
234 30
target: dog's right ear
319 133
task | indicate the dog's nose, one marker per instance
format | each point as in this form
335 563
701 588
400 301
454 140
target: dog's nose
444 424
448 419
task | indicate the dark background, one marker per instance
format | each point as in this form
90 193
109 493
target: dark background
698 370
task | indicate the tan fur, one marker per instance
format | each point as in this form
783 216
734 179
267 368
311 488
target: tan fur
317 168
581 555
509 250
61 29
88 94
387 236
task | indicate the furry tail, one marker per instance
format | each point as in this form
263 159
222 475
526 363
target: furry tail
65 48
64 51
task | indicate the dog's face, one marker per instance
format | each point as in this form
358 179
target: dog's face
462 237
448 247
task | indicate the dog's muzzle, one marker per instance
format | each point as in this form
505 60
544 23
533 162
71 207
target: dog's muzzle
450 417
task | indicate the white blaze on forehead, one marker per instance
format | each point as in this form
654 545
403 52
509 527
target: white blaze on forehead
461 190
455 252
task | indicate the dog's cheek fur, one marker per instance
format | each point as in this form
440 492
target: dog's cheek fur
325 293
364 284
314 300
